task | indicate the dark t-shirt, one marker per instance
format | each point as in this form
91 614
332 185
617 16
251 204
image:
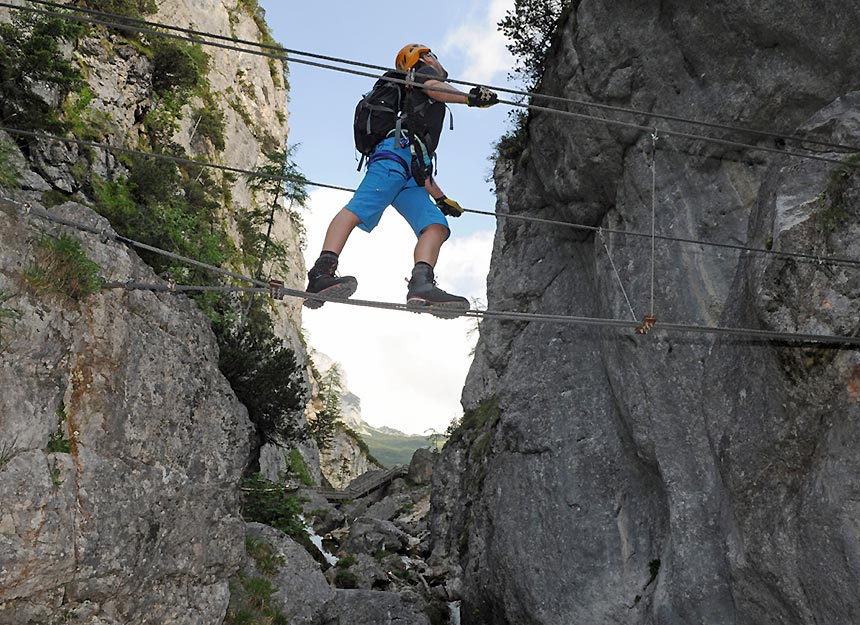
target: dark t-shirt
427 115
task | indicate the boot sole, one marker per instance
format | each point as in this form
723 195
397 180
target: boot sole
445 310
342 290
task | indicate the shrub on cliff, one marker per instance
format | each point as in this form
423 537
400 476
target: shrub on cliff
530 28
30 57
62 268
126 8
264 374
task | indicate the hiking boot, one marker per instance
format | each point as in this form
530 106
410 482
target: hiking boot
322 280
424 294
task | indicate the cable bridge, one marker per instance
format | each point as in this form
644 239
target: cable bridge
364 484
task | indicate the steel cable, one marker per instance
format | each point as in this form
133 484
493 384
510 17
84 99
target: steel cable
802 256
749 333
282 53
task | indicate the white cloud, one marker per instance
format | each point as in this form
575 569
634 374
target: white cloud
478 41
408 369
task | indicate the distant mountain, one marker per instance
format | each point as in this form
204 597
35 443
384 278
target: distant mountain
389 446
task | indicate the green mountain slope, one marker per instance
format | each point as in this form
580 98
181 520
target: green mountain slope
392 448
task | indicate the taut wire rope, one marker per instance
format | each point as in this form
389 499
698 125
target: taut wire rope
801 256
282 53
747 333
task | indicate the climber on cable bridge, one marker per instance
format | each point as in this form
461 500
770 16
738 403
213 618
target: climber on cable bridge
397 127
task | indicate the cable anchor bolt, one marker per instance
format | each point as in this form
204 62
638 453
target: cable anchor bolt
648 322
276 288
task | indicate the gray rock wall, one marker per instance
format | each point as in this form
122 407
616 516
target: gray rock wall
603 477
138 522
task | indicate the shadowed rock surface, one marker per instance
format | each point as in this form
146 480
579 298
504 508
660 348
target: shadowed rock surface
604 477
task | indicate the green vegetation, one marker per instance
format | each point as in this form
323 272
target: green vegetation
264 374
8 316
9 173
83 121
8 450
210 124
62 268
344 578
513 142
178 207
168 206
126 8
56 476
174 208
391 450
268 502
323 428
278 179
837 208
178 67
264 555
252 8
530 28
359 441
476 422
296 467
58 443
29 57
251 603
474 434
278 69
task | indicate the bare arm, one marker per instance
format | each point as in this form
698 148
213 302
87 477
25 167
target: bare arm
448 94
433 189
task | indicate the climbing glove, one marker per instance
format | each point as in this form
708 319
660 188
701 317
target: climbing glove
482 97
449 207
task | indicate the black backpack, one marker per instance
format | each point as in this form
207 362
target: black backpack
378 113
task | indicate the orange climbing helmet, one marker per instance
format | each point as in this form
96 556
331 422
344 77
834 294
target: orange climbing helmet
409 55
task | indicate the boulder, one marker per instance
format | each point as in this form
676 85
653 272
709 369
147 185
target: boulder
301 588
370 536
421 466
365 607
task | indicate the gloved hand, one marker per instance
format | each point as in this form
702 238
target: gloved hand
449 207
482 97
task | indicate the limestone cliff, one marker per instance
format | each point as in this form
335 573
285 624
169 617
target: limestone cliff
604 477
121 443
346 455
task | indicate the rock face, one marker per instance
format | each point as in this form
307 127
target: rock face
137 521
605 477
344 460
121 444
302 591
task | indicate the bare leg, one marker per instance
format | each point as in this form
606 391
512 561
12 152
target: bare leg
339 230
429 244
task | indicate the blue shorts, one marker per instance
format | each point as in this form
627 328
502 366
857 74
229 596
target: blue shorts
386 183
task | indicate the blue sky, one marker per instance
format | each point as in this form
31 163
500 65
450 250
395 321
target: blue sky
407 369
322 101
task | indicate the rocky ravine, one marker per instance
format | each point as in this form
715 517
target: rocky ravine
602 477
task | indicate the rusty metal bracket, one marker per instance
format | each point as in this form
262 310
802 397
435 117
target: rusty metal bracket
648 322
276 288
